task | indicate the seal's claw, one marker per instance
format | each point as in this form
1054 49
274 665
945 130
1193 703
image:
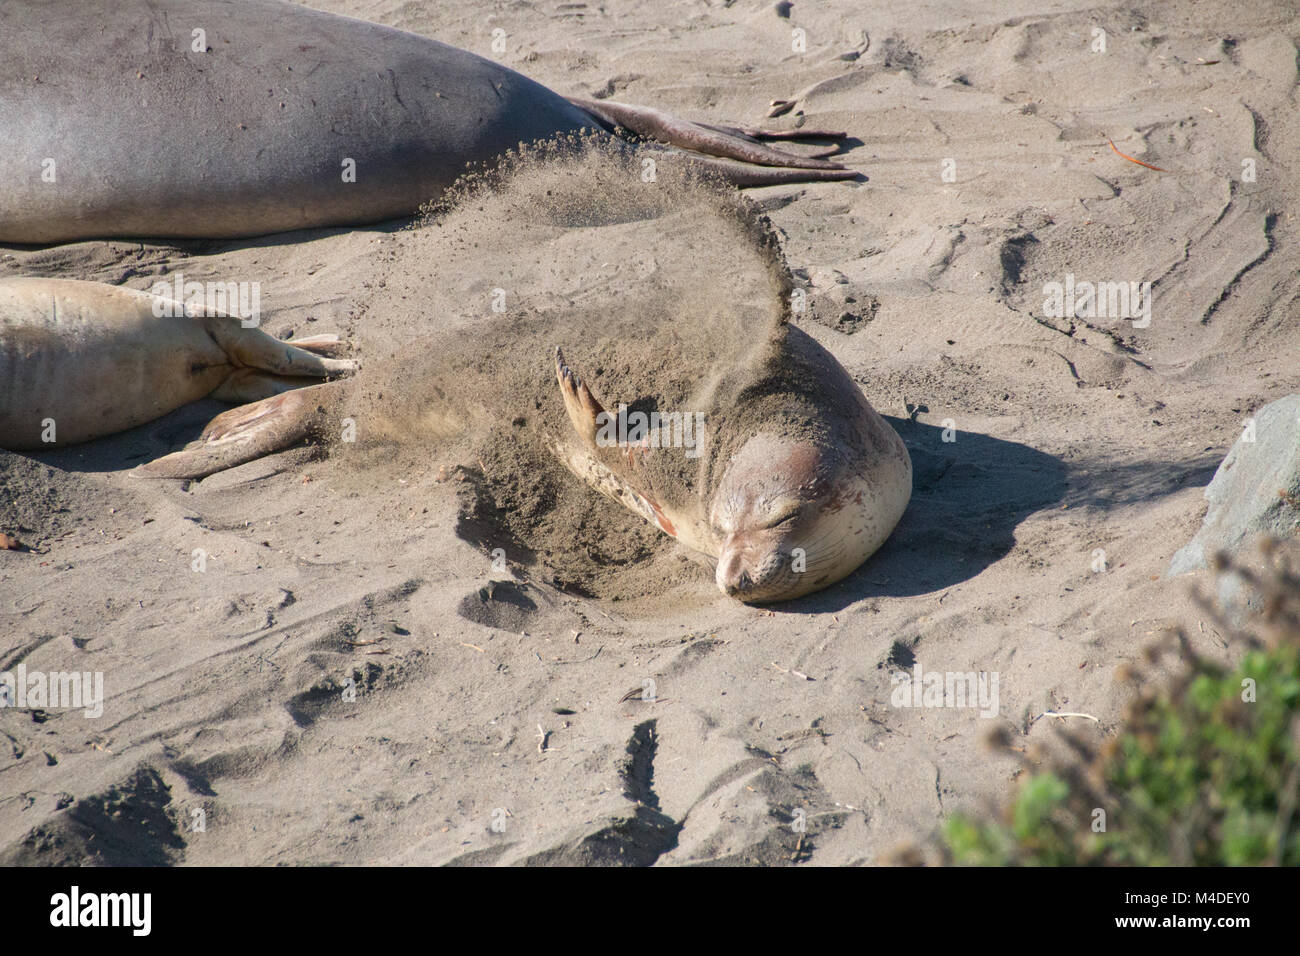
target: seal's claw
327 344
582 406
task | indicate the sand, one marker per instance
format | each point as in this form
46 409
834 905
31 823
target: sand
501 714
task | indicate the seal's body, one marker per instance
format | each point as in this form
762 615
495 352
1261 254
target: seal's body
79 360
286 117
215 119
800 480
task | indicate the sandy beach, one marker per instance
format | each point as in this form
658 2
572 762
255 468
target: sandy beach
350 677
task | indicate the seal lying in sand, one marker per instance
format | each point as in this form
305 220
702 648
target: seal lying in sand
782 514
79 360
192 118
786 515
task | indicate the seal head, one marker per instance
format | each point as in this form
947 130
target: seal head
791 517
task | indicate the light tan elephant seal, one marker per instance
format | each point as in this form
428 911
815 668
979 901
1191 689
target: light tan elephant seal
79 360
797 483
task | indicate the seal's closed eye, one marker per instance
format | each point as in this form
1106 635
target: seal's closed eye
785 517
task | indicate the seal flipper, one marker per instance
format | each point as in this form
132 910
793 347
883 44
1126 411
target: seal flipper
727 142
250 346
250 432
605 468
246 385
794 135
581 405
327 344
745 175
756 135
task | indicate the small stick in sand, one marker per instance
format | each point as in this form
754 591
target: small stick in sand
783 670
581 660
1138 161
1062 714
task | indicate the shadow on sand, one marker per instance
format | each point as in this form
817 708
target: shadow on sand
122 451
968 495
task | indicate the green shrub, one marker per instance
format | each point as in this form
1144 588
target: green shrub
1200 773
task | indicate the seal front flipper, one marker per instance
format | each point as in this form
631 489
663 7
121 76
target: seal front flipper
583 408
250 432
609 468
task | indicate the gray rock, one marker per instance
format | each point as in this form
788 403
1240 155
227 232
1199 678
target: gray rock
1255 492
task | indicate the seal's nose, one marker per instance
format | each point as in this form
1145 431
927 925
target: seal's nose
740 586
732 578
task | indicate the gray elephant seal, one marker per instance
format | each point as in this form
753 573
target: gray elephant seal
79 360
669 300
199 118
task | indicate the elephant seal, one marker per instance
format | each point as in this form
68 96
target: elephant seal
671 301
210 119
79 360
782 513
801 483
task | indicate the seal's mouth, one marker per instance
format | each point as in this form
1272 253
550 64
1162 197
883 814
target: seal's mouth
756 579
764 572
746 576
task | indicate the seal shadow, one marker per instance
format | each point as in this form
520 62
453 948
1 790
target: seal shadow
968 496
122 451
49 258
